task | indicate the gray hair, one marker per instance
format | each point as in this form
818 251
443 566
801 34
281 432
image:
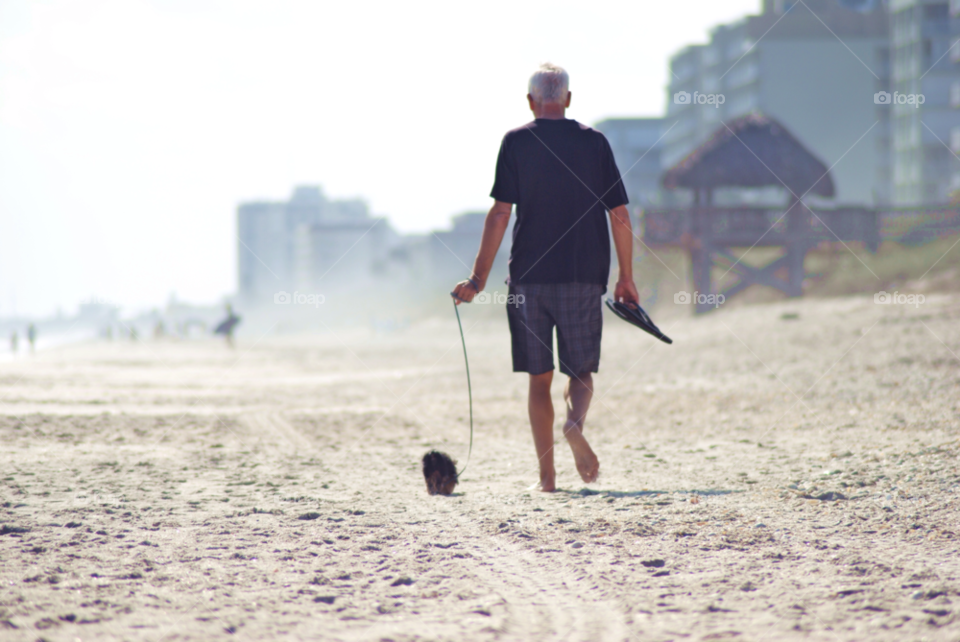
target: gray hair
550 84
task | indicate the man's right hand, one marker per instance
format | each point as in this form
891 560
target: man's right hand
464 292
626 292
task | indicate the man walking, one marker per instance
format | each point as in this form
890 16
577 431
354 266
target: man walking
563 179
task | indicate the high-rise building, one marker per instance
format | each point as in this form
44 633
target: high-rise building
264 255
813 66
307 243
636 145
451 253
925 81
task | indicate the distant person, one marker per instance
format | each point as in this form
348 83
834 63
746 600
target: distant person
227 326
562 177
32 337
14 342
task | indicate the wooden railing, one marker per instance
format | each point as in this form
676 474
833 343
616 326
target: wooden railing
754 226
748 224
710 233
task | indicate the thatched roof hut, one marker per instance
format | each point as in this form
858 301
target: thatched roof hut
752 151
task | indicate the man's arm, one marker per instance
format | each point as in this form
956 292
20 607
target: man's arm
625 289
494 227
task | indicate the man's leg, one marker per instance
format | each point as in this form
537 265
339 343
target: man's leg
540 409
577 394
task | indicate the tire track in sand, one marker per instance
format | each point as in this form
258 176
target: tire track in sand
540 593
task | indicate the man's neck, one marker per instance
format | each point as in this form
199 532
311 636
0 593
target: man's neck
550 112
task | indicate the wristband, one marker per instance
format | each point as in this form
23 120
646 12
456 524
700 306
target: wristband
474 284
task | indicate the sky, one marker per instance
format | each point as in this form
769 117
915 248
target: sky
131 129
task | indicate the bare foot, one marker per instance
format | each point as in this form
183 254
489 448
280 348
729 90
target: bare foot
587 463
548 482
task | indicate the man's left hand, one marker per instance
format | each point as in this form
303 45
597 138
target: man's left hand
626 292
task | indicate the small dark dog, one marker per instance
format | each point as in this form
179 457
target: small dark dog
440 473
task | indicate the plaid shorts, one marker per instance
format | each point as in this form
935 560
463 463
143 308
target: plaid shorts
573 308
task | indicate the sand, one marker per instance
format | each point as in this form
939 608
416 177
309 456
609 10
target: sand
783 471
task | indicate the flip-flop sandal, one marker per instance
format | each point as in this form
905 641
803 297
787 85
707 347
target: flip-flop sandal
635 315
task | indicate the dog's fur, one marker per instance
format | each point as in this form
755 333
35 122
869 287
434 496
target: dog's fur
440 473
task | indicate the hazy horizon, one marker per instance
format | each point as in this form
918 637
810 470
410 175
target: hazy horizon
130 131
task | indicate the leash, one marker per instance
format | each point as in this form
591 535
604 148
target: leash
466 362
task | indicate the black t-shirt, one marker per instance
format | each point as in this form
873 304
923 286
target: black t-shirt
563 178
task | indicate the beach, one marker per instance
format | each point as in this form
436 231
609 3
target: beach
783 471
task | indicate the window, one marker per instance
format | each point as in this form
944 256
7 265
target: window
936 12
